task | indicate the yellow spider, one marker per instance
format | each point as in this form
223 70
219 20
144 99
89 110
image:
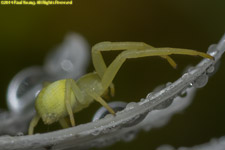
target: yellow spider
66 97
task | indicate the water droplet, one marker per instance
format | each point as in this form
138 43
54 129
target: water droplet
168 84
210 69
67 65
131 105
184 76
149 95
143 101
96 132
201 81
212 50
183 93
109 116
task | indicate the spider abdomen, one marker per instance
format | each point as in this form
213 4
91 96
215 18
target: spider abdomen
50 103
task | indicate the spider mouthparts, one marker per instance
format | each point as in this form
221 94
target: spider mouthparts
49 119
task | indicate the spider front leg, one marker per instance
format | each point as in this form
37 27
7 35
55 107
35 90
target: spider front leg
98 60
68 89
114 67
72 86
33 124
98 98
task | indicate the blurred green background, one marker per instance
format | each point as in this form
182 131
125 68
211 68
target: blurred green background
27 33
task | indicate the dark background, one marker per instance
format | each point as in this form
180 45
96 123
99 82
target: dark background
27 33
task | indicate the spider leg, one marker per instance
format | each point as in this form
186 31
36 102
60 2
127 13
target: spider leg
109 92
33 123
114 67
105 95
68 101
101 101
112 89
63 123
76 91
98 60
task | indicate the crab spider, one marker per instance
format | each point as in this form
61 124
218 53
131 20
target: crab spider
66 97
